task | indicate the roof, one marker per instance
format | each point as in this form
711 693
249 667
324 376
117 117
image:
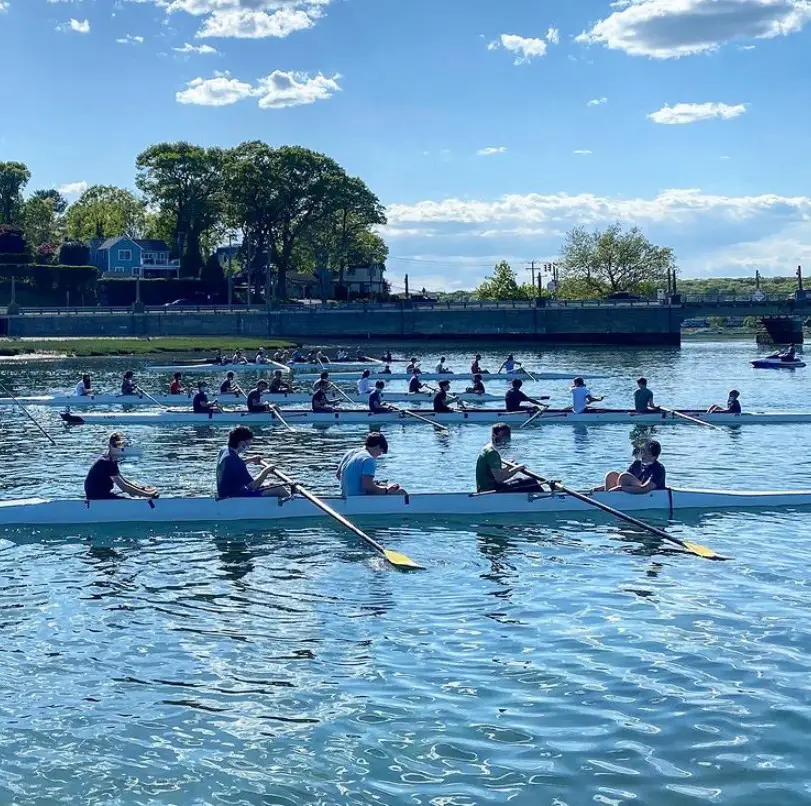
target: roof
149 245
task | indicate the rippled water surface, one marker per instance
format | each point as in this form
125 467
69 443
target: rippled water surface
563 661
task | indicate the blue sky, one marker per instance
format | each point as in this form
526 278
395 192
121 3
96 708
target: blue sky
487 128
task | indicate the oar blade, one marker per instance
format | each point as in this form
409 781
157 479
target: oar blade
702 551
403 561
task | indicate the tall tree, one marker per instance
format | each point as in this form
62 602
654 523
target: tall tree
105 211
14 177
41 219
58 201
503 284
185 182
610 261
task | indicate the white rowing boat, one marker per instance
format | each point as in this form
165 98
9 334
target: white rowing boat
343 366
41 511
86 401
484 416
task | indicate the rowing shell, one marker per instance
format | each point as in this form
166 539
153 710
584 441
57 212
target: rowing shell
40 511
84 401
487 416
346 366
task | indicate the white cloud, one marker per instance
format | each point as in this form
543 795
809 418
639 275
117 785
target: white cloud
279 90
199 8
4 5
129 39
583 152
248 23
189 48
597 102
692 113
524 49
222 90
667 29
73 188
79 26
553 36
490 150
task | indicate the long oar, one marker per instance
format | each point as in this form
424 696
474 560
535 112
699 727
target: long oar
541 410
274 410
695 548
689 418
527 372
438 426
29 415
342 393
397 559
149 397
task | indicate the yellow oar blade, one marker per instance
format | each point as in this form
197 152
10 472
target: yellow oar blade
702 551
402 560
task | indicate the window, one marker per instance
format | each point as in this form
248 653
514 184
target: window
120 269
125 254
148 259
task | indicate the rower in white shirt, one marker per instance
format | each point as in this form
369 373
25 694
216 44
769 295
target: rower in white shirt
84 387
364 384
441 369
581 396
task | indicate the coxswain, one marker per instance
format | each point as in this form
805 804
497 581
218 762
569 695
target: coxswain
176 386
128 385
376 405
515 397
84 387
415 385
476 368
323 378
644 475
492 475
365 384
478 386
441 398
239 358
643 397
254 399
320 402
582 397
357 469
104 475
228 386
261 357
441 369
277 385
201 404
733 404
510 364
233 477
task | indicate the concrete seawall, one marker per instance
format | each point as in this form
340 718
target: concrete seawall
605 324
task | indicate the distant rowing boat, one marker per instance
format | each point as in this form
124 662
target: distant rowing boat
86 401
41 512
483 416
270 366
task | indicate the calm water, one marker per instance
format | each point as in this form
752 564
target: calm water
558 662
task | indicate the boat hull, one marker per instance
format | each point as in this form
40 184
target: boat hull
481 416
41 512
270 366
776 363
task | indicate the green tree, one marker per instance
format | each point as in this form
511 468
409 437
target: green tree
185 182
611 261
105 211
58 201
503 284
14 177
41 218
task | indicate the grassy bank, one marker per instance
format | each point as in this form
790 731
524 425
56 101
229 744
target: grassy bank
83 348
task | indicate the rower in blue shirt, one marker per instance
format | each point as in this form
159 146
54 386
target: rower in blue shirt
201 404
733 404
376 405
357 469
645 474
233 477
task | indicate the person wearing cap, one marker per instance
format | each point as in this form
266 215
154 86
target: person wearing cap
277 385
441 398
356 470
201 404
254 401
515 397
643 397
478 385
582 396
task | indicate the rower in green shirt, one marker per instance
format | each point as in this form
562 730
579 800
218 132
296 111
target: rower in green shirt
491 475
643 397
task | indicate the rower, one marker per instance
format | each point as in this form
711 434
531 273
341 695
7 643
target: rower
322 379
440 368
320 402
84 387
128 385
104 475
220 359
491 475
297 356
478 385
413 367
341 355
441 398
515 397
582 397
201 404
733 404
387 359
510 364
376 399
176 386
644 475
277 385
239 358
365 384
228 386
476 368
254 400
361 356
278 357
386 370
643 397
233 478
357 469
261 357
415 385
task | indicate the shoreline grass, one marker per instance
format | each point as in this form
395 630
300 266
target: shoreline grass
100 347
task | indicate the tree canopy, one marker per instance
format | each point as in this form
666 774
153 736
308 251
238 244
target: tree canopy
105 211
14 177
503 284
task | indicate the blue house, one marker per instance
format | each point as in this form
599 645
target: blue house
132 257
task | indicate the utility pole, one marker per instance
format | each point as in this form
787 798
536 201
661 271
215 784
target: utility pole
799 278
406 286
532 269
